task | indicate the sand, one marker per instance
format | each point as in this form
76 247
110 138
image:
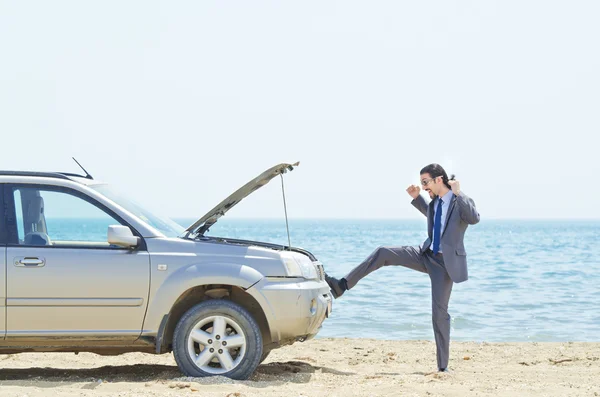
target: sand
323 367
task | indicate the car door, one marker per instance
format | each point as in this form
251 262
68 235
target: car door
64 280
3 235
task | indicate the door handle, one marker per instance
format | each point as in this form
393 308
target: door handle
30 261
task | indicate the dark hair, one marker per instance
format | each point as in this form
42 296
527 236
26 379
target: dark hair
436 170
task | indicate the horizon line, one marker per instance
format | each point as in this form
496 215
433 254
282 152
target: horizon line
389 218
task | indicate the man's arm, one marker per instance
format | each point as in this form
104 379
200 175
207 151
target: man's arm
420 204
467 210
418 200
466 205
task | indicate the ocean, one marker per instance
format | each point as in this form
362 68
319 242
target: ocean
528 280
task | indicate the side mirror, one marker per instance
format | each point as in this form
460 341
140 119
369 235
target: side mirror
122 236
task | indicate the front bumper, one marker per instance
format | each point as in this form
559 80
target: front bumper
295 308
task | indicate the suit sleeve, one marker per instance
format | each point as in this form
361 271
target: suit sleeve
467 210
420 204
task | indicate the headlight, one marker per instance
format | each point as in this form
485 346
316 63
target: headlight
309 271
299 266
292 267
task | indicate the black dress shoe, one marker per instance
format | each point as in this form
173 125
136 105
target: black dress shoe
444 370
335 285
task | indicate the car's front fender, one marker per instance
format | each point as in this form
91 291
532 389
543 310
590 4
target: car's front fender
174 285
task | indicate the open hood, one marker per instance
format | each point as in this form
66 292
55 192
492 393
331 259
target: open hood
203 224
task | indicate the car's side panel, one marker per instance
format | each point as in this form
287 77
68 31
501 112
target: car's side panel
184 276
2 291
78 293
3 236
72 284
179 264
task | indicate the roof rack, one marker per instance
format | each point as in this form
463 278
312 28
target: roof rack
75 175
57 175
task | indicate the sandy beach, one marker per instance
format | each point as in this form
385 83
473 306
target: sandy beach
323 367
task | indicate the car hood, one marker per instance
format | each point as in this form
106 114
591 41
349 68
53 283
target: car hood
199 227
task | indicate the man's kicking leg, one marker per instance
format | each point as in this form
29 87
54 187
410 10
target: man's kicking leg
406 256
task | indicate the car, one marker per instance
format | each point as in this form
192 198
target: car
85 269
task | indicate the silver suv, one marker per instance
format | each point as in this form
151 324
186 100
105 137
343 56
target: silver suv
85 269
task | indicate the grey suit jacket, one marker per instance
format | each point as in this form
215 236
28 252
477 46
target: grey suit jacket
461 214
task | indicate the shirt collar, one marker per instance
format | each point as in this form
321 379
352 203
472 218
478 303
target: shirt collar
448 197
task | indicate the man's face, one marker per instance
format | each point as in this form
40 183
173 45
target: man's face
431 185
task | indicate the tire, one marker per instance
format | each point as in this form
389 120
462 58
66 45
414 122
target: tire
225 327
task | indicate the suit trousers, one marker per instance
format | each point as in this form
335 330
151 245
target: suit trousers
441 286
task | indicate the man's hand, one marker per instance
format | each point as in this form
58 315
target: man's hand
455 186
413 191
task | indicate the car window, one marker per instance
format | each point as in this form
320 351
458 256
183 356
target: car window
57 218
163 224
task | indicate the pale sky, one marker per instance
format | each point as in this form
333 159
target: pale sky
179 103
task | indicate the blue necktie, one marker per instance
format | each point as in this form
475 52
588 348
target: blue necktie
437 227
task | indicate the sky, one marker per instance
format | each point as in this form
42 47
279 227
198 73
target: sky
179 103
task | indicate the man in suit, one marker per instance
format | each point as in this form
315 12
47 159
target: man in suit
442 256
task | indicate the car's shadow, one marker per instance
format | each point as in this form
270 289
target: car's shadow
273 372
292 371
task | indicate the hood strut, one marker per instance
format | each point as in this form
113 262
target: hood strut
286 215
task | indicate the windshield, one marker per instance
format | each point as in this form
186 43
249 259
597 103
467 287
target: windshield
163 224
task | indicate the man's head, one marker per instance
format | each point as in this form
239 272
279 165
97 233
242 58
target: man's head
434 180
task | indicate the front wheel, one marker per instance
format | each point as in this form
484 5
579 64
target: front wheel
217 337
